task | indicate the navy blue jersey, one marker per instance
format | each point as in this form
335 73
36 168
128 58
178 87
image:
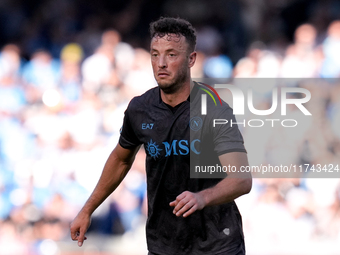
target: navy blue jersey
170 142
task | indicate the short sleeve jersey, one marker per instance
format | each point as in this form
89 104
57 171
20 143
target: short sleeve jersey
169 144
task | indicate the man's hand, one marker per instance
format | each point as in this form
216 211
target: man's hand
228 189
187 203
79 226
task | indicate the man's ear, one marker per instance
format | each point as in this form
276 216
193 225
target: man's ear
192 58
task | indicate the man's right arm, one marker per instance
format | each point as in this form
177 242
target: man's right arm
116 167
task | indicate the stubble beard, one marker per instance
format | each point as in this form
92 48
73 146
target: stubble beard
171 87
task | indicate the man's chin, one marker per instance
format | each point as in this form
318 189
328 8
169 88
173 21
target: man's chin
164 84
167 87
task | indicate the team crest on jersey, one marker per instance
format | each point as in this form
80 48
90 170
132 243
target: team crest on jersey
196 123
153 149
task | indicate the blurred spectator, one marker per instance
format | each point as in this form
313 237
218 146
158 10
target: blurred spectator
331 49
245 68
218 67
10 241
97 69
10 62
111 38
12 94
70 79
140 77
269 65
301 58
42 71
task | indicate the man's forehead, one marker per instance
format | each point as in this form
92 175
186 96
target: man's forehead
168 37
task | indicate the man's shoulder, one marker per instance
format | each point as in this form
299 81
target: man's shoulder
148 98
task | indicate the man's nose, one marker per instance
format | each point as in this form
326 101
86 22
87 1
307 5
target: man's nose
162 62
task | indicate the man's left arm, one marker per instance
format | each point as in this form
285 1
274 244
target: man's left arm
234 185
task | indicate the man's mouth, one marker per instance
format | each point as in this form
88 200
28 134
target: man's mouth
162 74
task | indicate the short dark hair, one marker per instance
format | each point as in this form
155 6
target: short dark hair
166 25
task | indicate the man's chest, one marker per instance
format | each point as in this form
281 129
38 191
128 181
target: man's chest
163 133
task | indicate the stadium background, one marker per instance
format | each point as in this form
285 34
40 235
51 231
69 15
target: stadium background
68 70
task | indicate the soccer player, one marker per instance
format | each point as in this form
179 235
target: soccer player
185 215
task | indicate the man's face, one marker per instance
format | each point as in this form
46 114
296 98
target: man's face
171 61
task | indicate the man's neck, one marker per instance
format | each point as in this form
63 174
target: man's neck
179 96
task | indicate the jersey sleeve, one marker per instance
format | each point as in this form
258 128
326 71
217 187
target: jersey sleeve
227 137
128 138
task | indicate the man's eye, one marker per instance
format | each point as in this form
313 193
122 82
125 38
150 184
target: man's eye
172 55
154 55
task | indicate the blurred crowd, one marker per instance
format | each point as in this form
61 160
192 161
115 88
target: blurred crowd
62 102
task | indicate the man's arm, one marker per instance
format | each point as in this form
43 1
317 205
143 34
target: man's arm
234 185
116 167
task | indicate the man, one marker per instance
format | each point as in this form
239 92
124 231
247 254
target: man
185 215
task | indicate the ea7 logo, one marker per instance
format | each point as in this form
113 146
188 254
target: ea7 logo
147 125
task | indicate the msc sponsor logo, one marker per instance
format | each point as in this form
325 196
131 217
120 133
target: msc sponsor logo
175 148
153 149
